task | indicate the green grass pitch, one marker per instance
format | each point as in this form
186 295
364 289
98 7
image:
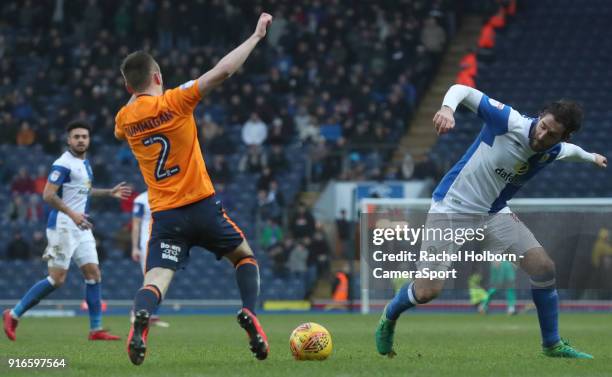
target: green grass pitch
427 345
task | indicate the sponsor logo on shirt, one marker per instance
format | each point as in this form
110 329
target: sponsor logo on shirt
513 176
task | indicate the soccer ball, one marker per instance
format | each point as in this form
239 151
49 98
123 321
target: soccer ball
310 341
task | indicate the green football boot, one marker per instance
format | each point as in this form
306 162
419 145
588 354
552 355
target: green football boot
384 335
564 349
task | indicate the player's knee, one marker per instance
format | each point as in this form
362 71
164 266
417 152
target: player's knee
426 294
241 252
91 272
539 264
57 279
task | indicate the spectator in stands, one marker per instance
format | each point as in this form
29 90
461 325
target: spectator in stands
297 262
266 209
343 233
6 172
277 135
26 135
277 161
34 209
165 26
100 170
318 158
254 131
253 161
469 62
41 179
319 256
308 129
296 82
303 223
271 234
219 170
16 210
209 129
51 144
433 36
425 168
39 243
274 193
498 20
22 183
219 144
465 78
263 183
18 248
279 254
486 43
407 167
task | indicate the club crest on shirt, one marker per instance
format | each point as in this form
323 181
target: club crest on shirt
54 176
497 104
521 168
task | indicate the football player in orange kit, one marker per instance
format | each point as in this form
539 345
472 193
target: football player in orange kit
160 128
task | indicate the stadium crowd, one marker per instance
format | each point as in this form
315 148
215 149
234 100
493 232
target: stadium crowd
338 80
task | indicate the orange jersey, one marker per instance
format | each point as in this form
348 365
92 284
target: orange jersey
162 134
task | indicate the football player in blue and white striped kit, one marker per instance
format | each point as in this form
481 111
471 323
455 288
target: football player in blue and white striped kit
510 149
68 192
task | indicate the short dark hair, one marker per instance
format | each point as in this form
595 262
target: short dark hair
78 124
568 113
136 68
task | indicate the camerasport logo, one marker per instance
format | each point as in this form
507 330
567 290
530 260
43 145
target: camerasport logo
170 252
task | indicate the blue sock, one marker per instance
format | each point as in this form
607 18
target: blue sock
148 298
32 297
247 277
546 300
93 296
403 300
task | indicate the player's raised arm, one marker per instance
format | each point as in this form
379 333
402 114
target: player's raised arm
444 120
232 62
573 153
50 196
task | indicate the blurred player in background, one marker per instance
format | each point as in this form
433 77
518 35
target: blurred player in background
69 234
501 277
141 221
160 129
510 149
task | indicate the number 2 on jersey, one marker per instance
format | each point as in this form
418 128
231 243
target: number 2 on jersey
161 172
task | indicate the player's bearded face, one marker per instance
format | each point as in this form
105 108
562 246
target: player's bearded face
546 133
78 140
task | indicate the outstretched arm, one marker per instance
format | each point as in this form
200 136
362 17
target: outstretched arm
120 191
444 120
573 153
235 59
